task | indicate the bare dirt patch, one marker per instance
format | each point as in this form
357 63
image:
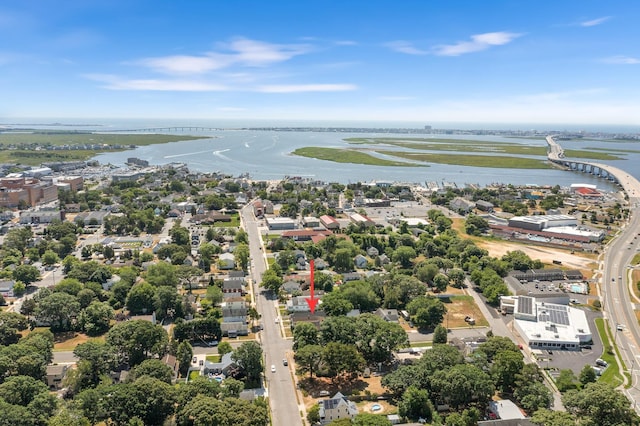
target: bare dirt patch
544 254
370 386
460 307
69 340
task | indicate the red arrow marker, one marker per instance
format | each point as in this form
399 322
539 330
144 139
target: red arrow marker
312 301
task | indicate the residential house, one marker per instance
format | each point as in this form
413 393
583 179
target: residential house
336 408
372 252
461 205
226 261
291 286
389 315
298 317
298 304
384 259
232 287
224 367
234 311
360 261
171 362
55 375
351 276
6 288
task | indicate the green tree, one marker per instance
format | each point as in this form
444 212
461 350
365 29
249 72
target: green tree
313 414
546 417
224 348
26 273
271 281
205 411
566 380
58 309
241 254
415 404
426 311
10 324
339 359
336 304
50 257
368 419
506 366
248 356
184 355
162 274
153 368
404 256
141 298
137 340
440 334
304 334
95 319
461 385
600 404
587 375
308 358
441 282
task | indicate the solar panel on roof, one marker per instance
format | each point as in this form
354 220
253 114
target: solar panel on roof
525 305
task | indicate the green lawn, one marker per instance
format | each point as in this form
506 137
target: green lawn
213 358
340 155
611 375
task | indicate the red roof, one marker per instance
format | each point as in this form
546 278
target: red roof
589 192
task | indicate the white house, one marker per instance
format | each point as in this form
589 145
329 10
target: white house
336 408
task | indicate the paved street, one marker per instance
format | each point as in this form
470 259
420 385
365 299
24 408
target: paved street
285 410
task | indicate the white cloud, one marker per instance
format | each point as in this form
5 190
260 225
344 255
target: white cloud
294 88
477 43
405 47
117 83
594 22
240 51
182 64
625 60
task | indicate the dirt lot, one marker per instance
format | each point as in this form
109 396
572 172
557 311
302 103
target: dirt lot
357 387
546 255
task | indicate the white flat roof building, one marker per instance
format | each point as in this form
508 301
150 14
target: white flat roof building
548 325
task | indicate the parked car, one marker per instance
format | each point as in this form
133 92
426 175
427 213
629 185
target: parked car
284 362
601 362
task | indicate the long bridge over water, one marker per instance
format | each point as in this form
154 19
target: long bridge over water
168 129
614 174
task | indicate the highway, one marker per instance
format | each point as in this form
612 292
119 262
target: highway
285 410
618 307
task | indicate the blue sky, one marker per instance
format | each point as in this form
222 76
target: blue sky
570 61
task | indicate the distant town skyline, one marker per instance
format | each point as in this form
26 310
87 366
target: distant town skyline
567 62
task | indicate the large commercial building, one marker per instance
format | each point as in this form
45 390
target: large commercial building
545 325
16 189
538 223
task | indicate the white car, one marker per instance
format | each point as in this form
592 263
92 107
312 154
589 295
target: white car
620 327
273 368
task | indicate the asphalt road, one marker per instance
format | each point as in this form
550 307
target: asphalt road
285 410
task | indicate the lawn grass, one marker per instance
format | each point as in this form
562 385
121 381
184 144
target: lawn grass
635 260
611 375
492 161
213 358
463 145
340 155
35 148
80 138
194 375
234 223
